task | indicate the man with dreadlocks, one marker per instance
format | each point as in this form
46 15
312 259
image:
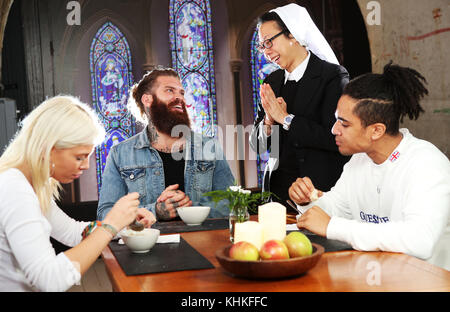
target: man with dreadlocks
394 193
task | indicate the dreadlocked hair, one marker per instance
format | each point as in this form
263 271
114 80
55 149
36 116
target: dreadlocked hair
387 98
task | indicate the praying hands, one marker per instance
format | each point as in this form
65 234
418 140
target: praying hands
275 108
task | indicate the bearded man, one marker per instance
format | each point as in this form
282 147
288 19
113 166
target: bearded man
167 164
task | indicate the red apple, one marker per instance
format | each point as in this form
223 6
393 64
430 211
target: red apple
274 250
298 244
244 251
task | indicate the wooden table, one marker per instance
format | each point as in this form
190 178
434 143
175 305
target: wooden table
345 271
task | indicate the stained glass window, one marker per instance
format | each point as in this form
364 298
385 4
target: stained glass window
192 57
111 78
260 68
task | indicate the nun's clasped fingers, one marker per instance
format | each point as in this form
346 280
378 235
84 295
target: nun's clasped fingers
275 107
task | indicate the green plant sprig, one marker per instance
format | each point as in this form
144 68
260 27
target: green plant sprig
238 197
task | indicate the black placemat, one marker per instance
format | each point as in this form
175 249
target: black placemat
328 244
181 227
167 257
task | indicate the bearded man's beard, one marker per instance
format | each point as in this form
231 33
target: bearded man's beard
165 117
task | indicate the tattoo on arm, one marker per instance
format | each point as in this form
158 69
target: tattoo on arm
175 204
161 211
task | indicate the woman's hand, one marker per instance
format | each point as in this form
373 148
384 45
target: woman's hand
145 217
124 211
275 108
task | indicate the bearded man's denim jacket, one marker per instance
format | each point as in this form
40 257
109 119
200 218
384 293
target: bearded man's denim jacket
135 166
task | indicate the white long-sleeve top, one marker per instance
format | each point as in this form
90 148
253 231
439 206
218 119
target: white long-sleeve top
27 259
401 205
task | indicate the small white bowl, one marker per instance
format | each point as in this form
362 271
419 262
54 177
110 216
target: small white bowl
140 242
194 215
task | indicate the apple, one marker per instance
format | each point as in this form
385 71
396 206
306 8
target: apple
298 244
274 250
244 251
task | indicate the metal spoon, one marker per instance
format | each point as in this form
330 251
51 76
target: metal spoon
136 226
294 206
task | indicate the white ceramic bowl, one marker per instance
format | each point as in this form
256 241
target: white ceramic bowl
194 215
140 242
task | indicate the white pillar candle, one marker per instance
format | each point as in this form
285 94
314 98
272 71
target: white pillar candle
272 217
249 231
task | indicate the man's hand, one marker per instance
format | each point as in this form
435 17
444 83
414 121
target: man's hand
168 193
315 220
300 191
168 202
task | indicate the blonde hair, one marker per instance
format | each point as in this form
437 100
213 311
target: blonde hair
60 122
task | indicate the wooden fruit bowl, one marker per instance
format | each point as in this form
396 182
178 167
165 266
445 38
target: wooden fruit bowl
269 269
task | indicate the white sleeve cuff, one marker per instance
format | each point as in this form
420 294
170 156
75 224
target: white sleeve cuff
73 276
339 229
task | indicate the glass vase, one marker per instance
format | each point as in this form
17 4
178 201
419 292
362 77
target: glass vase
237 215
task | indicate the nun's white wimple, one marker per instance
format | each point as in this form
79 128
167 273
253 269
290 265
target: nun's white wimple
302 27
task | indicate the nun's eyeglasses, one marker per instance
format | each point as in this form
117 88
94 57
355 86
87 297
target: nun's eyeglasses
267 44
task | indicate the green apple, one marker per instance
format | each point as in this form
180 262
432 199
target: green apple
244 251
298 244
274 250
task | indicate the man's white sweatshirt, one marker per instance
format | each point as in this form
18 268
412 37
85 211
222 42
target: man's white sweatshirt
401 205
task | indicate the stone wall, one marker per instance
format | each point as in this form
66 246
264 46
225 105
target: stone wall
416 34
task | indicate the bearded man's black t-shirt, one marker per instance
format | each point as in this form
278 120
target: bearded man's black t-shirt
173 170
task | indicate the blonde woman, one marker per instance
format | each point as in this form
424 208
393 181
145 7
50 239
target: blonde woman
52 147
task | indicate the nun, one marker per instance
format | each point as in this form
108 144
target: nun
298 102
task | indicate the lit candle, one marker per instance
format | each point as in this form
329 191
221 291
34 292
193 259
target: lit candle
249 231
272 217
